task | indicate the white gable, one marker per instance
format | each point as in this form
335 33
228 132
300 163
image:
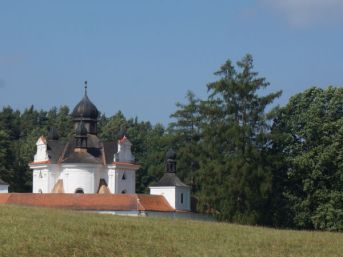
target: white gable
42 150
124 153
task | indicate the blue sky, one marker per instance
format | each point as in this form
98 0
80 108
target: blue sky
141 57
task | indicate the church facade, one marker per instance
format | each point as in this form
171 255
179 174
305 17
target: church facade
83 164
87 165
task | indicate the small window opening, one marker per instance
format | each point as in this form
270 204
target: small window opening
79 191
40 174
181 197
123 177
40 191
123 192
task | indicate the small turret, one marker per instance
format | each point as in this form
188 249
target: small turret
171 187
171 161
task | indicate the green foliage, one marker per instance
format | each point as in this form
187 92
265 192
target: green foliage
310 129
279 168
236 181
186 131
5 157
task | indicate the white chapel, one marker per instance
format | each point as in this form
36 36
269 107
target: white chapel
86 164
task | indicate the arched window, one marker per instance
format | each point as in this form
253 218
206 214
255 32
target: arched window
123 177
79 191
123 192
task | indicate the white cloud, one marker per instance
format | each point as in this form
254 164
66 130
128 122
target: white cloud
309 12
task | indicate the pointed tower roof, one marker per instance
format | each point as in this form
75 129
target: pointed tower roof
85 109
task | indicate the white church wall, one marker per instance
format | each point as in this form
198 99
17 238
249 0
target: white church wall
41 154
111 182
40 183
182 198
177 197
124 153
125 182
119 184
167 192
79 176
44 178
3 189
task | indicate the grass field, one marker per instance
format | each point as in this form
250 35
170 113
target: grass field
48 232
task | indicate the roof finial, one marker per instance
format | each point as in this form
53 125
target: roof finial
86 87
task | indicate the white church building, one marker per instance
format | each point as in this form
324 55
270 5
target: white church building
87 165
3 187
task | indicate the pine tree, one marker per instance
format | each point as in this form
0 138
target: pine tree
236 181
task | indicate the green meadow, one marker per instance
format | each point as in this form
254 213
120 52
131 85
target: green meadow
27 231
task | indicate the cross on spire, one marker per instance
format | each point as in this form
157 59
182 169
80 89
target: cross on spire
86 87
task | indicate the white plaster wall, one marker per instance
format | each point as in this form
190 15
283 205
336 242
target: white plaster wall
53 175
167 192
40 180
3 189
44 178
117 185
127 185
173 196
186 204
124 153
80 176
41 154
111 182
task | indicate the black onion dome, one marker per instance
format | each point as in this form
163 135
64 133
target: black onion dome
85 109
171 154
81 129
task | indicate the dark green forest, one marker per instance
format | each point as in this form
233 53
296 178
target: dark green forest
246 160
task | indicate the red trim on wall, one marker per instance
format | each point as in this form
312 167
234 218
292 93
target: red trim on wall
125 163
42 162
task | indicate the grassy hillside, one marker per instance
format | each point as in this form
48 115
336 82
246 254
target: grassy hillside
49 232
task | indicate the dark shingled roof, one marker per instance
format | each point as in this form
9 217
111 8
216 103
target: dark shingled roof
85 110
169 179
79 157
55 149
3 182
110 148
98 152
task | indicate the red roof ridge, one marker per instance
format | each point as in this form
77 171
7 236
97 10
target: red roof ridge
96 202
41 162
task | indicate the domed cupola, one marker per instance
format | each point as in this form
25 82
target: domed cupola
85 110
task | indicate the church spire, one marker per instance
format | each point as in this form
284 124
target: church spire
86 87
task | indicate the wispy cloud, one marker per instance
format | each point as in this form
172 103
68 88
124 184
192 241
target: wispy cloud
308 12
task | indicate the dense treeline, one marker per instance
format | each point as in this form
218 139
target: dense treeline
282 167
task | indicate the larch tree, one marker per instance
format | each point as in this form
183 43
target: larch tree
236 178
